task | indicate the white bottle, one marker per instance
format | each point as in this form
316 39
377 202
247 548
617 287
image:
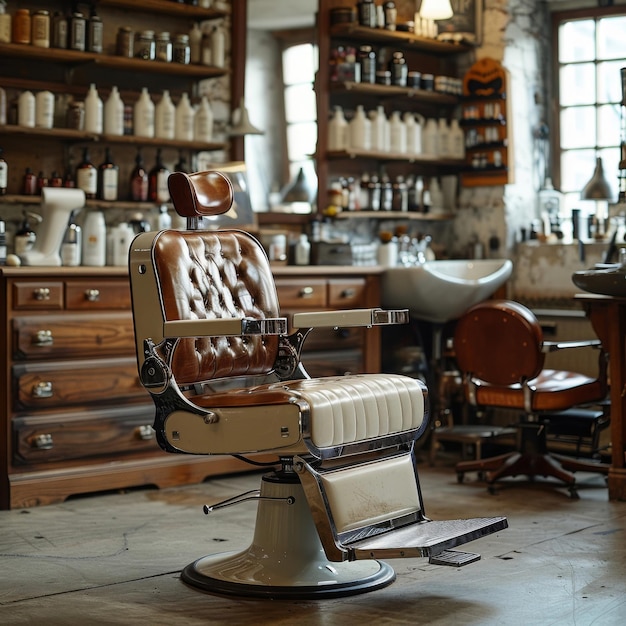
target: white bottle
44 109
93 111
360 130
380 129
195 43
443 138
436 195
123 236
26 109
184 119
165 117
94 239
430 138
164 219
203 121
338 131
114 113
143 115
397 133
413 133
218 45
303 250
457 140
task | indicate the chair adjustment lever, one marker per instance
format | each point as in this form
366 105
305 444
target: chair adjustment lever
244 497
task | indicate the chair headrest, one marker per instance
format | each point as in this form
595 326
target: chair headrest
200 194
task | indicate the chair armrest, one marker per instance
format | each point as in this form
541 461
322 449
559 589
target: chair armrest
350 317
553 346
224 327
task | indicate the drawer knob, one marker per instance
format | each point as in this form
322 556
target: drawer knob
42 442
42 389
348 293
92 295
42 293
306 292
43 338
144 432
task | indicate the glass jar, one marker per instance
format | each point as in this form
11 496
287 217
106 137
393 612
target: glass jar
59 31
163 47
144 45
124 46
40 29
181 51
399 70
75 115
21 26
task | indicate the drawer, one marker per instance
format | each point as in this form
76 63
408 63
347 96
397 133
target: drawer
68 436
37 295
55 384
346 293
304 293
337 363
73 336
334 339
87 296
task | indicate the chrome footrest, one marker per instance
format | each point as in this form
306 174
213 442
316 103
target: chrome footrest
454 558
425 538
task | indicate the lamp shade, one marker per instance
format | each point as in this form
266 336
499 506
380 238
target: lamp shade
598 187
241 123
436 9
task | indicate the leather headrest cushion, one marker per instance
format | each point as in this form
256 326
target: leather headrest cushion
199 194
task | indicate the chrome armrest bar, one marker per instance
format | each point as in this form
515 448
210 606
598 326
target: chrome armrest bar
553 346
224 327
350 317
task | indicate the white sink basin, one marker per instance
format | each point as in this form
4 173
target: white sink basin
439 291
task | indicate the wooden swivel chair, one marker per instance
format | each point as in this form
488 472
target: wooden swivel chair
226 378
500 350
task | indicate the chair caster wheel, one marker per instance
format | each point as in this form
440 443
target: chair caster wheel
573 492
492 490
460 477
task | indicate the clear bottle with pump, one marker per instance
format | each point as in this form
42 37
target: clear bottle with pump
157 181
94 239
203 121
184 119
87 176
143 115
195 44
302 251
71 246
165 117
139 180
108 178
114 113
93 111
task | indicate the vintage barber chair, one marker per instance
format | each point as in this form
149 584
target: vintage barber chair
500 350
227 379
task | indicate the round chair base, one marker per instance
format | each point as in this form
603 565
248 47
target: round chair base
221 574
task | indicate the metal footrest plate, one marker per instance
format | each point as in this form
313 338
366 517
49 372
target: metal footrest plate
425 538
454 558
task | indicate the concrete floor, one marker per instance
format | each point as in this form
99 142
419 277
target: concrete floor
116 559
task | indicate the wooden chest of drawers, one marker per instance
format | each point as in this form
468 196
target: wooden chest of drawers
75 418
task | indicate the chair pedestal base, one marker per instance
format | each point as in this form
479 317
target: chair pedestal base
533 459
285 558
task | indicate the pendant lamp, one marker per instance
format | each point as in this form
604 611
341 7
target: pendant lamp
436 9
598 187
241 123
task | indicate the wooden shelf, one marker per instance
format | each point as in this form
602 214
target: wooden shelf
394 156
167 7
395 215
390 91
77 136
75 58
398 38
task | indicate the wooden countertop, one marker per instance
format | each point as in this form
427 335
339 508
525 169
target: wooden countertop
277 270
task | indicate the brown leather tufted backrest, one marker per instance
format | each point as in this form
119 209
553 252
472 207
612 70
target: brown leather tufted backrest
209 275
